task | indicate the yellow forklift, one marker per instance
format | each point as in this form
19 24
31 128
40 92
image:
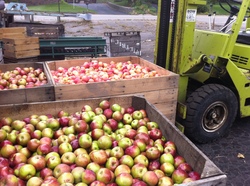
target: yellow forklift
214 85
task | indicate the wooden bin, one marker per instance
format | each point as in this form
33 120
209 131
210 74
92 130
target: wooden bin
27 95
210 173
14 32
21 47
161 91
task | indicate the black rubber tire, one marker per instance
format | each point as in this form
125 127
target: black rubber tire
206 107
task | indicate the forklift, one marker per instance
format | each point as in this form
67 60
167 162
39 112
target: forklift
214 84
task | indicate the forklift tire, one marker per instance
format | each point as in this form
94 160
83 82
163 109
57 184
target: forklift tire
211 111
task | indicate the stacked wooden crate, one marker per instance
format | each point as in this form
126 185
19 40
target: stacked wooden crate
17 46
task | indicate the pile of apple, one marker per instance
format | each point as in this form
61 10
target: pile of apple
106 145
26 77
95 71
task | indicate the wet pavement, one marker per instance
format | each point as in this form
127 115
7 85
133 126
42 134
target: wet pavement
232 153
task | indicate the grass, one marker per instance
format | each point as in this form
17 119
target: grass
63 8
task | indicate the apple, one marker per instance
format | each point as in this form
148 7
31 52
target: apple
155 134
98 156
88 176
6 121
150 178
23 138
10 180
27 171
82 160
122 168
142 129
127 118
17 125
68 158
36 134
117 152
68 130
53 161
7 150
43 149
141 144
65 147
186 167
17 158
127 160
4 162
167 168
116 107
130 133
132 151
138 170
46 172
50 181
104 142
85 141
66 177
143 136
154 165
104 104
165 181
80 151
60 169
72 121
38 161
75 144
46 140
153 153
159 173
152 125
117 115
141 159
77 174
93 166
97 133
124 142
137 115
167 157
112 163
34 181
104 175
62 113
81 126
86 117
194 175
64 121
3 135
63 138
178 176
178 160
124 179
97 183
108 113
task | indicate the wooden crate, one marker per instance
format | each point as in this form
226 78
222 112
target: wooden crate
13 32
210 173
27 95
161 91
21 47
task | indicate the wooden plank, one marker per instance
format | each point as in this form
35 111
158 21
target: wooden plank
21 41
210 173
17 32
22 54
10 47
